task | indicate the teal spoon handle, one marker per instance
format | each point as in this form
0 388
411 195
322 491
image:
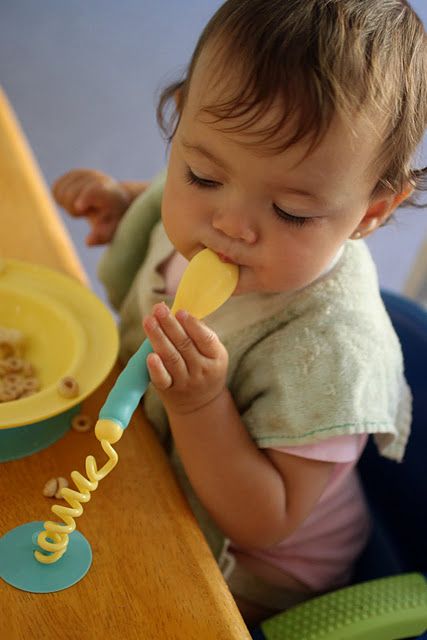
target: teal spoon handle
128 389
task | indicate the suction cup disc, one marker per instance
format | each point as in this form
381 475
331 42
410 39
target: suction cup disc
19 567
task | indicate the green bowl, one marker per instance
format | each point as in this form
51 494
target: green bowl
19 442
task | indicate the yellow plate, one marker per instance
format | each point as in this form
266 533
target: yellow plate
68 331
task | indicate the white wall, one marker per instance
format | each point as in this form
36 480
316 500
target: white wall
83 78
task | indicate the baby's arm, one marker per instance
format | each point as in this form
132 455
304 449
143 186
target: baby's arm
98 197
256 498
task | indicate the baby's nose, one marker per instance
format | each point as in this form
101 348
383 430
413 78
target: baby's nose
235 225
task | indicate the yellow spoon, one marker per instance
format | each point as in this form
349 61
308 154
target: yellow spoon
206 284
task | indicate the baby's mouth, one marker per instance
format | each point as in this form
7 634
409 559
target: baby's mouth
225 258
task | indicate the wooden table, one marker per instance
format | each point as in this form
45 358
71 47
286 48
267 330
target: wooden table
152 576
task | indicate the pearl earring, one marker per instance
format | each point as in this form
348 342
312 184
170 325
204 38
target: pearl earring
358 234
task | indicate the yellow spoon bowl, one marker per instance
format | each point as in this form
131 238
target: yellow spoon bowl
206 284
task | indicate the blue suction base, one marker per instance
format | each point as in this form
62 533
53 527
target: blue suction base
19 567
19 442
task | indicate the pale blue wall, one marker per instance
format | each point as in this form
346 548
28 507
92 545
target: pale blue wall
83 77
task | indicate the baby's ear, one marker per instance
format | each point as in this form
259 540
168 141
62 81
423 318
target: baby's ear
377 214
408 190
391 201
379 211
177 96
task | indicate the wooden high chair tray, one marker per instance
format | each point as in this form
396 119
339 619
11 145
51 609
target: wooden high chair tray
153 576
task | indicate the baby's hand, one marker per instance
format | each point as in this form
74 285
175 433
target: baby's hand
96 196
189 363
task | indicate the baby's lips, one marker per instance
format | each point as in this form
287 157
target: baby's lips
225 258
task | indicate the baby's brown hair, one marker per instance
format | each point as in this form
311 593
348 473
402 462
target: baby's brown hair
321 58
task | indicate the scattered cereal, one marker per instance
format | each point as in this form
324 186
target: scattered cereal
6 395
30 384
81 423
13 387
68 387
27 369
17 375
62 483
50 488
54 486
13 364
6 350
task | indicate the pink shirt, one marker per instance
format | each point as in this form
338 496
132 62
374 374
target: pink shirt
321 552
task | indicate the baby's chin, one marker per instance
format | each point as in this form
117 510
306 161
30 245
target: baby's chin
248 284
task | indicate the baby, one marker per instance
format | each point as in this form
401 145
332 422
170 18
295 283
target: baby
292 138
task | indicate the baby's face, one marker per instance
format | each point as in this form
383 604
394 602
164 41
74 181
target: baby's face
281 217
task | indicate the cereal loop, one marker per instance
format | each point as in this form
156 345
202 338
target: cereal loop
14 389
13 364
68 387
12 378
6 395
27 369
30 384
81 423
6 350
17 375
62 484
50 488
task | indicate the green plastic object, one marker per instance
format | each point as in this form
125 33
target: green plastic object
384 609
19 442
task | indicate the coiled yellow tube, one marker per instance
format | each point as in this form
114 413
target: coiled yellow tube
54 537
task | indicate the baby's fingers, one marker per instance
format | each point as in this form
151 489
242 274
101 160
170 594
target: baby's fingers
159 375
165 349
103 228
94 195
206 340
66 188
